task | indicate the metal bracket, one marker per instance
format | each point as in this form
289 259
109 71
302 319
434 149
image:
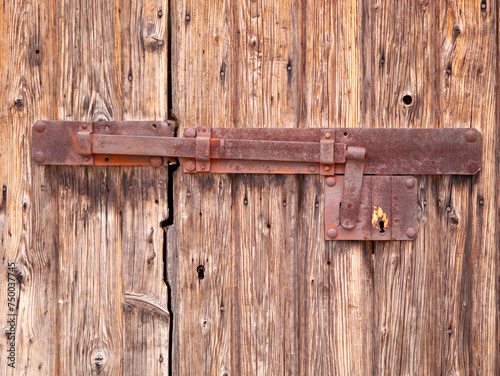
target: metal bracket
359 205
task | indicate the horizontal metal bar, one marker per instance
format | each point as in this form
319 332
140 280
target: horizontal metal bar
144 145
389 151
259 150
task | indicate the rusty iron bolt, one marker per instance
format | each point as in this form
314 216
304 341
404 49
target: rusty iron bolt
411 233
332 232
471 135
155 161
331 181
189 166
40 127
84 126
85 159
410 182
327 168
190 133
39 157
327 135
312 168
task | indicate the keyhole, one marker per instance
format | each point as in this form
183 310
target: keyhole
381 224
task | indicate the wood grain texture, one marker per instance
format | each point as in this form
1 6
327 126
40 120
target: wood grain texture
422 307
88 242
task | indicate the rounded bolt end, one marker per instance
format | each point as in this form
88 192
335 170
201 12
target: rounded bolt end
189 166
327 168
471 135
312 168
332 233
40 127
328 135
39 157
203 167
348 224
410 182
190 133
155 161
411 233
331 181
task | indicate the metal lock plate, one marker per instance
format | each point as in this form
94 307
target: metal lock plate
387 211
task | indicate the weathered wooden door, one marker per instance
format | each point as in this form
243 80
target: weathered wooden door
130 270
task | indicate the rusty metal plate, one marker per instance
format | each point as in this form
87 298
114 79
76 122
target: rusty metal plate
56 142
388 209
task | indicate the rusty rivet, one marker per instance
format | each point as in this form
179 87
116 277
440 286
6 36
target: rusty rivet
327 135
85 159
327 168
471 135
411 233
472 167
84 126
203 129
40 126
332 232
410 182
331 181
190 133
39 157
189 166
203 167
312 168
155 161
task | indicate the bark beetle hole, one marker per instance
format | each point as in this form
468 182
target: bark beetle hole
345 133
201 272
154 126
407 99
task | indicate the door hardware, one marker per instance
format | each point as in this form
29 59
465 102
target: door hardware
368 192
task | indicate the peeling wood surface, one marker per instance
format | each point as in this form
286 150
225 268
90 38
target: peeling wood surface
87 242
273 297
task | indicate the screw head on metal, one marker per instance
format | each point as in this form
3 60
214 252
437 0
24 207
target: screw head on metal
190 133
411 233
327 168
331 181
39 157
84 126
471 135
410 182
155 161
328 135
203 167
85 159
332 232
40 126
312 168
189 166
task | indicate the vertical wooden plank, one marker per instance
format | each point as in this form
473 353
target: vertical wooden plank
144 56
199 241
336 279
435 296
90 258
237 66
265 208
401 65
26 49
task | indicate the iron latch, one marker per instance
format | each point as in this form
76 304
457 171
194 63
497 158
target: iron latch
369 194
